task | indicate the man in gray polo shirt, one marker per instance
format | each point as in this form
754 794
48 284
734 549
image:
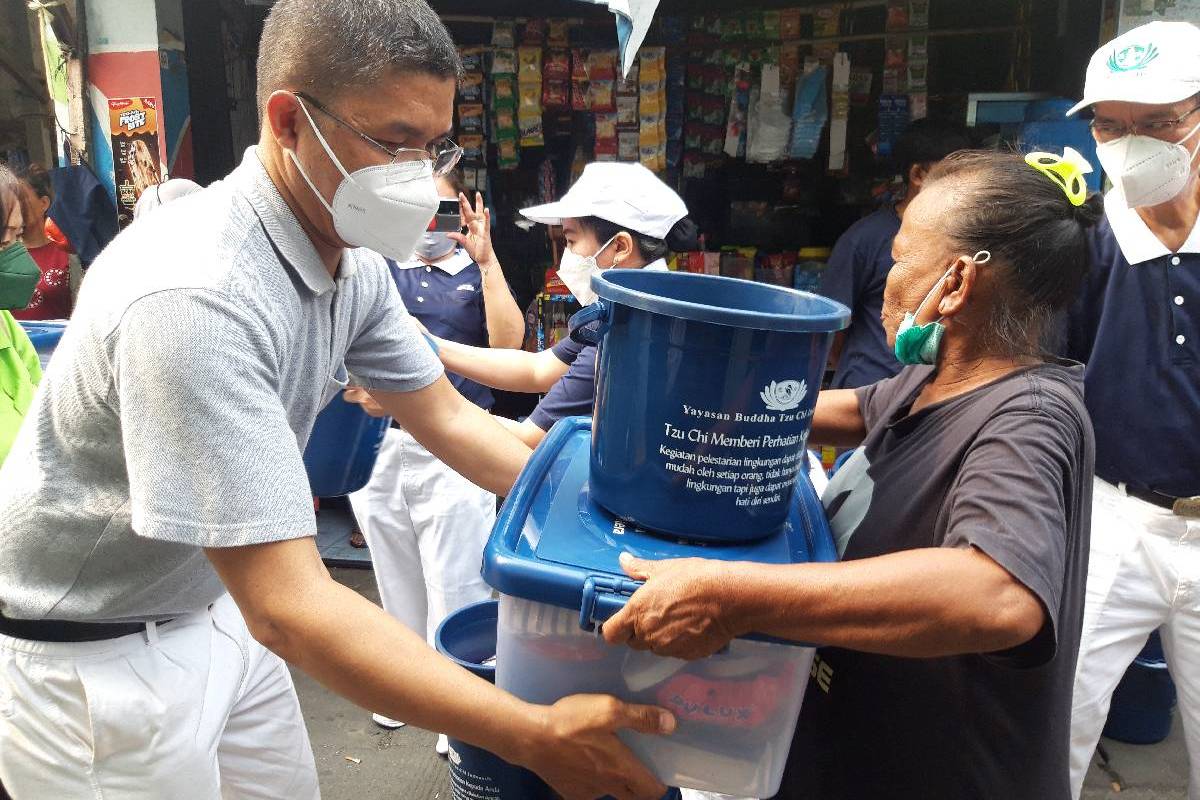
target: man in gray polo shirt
158 563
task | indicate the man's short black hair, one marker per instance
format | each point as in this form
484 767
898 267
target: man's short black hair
326 46
927 141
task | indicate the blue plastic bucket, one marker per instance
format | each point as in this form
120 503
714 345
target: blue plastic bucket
342 448
468 638
45 337
705 388
1144 700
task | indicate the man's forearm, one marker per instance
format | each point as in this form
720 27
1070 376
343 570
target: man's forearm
385 667
461 434
918 603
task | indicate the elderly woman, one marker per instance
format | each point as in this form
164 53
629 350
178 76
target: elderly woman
951 627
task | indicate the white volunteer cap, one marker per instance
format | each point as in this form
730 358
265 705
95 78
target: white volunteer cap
628 195
1155 63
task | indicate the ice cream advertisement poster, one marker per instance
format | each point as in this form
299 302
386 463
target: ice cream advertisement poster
133 127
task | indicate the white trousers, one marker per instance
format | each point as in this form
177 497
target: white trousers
1144 573
426 526
194 708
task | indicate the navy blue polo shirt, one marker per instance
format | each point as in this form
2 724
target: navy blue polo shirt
447 298
1136 325
855 276
575 393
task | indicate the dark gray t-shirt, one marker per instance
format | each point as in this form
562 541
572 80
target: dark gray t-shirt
1005 468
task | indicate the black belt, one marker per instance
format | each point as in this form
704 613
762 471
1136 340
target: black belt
1182 506
57 630
1152 497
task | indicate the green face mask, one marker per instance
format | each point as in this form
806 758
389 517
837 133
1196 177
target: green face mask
919 344
19 275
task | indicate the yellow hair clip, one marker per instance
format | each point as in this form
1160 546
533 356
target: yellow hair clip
1066 170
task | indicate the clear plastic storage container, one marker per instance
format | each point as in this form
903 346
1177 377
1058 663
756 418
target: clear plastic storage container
553 557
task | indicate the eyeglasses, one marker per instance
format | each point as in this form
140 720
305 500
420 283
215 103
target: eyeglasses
1160 129
443 155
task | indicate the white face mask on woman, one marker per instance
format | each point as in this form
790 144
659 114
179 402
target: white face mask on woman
576 273
385 208
1148 171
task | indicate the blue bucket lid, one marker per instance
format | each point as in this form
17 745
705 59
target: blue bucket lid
723 301
44 334
553 544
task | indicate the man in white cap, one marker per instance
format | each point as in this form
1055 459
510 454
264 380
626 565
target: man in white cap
1137 326
615 216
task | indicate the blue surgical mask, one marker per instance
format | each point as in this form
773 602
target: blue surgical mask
919 344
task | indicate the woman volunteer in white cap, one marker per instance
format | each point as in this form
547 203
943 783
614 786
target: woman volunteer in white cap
615 216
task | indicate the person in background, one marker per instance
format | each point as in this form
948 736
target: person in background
951 624
425 524
859 264
1136 325
20 370
52 297
158 563
616 216
161 193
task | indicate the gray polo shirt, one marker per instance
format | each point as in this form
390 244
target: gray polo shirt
173 416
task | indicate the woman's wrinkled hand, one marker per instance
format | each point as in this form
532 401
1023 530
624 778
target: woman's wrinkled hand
682 610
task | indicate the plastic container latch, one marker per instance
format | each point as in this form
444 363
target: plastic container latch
603 596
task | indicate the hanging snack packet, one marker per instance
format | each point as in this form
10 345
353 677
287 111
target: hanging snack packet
557 34
472 145
504 92
529 65
789 23
504 61
556 65
602 96
529 101
606 125
602 65
470 118
534 32
556 95
770 25
472 58
627 145
470 89
506 120
627 111
507 155
504 34
581 95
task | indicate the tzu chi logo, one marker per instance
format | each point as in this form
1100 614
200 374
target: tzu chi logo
1132 58
783 395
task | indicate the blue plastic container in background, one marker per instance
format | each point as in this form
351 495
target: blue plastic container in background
45 337
1144 699
342 448
705 388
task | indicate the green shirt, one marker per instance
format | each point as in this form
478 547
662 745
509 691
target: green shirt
20 372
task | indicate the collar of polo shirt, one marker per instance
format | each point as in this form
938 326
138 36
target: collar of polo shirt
281 225
1137 242
452 264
